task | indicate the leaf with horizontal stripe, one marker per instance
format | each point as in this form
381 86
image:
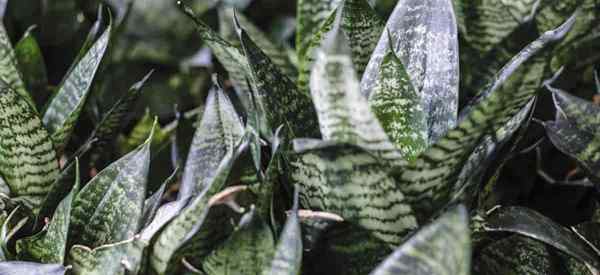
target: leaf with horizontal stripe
354 184
310 16
428 181
116 259
442 247
424 35
28 161
344 114
50 245
218 134
283 102
108 208
528 223
10 73
64 108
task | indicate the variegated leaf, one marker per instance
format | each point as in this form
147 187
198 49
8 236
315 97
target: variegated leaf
283 102
64 108
440 248
354 184
152 204
395 102
344 114
31 268
528 223
429 180
116 259
140 132
188 222
32 66
50 245
9 73
311 15
108 209
424 35
247 251
276 52
219 133
113 120
288 253
28 161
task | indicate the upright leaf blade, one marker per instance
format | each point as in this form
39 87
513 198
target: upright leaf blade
63 110
443 247
118 258
109 208
219 133
311 14
28 162
32 66
424 34
9 73
288 253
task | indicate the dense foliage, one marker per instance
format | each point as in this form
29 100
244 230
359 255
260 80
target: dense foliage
328 137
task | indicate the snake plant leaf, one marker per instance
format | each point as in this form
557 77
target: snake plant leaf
117 258
247 251
189 221
515 255
219 133
11 225
395 102
109 208
284 103
231 57
140 132
9 73
363 27
528 223
50 245
64 108
310 16
30 268
28 160
442 247
152 204
32 65
429 180
344 114
288 253
424 35
276 52
164 214
108 128
354 184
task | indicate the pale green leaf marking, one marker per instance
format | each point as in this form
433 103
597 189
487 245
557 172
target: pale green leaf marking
9 72
288 253
116 259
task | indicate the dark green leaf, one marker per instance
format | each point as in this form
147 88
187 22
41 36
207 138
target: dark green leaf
288 253
32 65
151 204
140 132
115 259
443 247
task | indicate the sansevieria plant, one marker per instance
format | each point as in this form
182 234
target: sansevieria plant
365 144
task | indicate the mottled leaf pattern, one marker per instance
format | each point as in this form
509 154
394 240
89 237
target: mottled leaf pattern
247 251
355 185
9 73
64 108
424 35
529 223
218 134
30 268
50 245
344 114
428 181
311 14
115 259
283 102
395 102
441 248
28 162
108 209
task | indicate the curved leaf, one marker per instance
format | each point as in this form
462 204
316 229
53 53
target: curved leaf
219 133
64 108
424 35
443 247
529 223
109 208
115 259
29 268
355 185
28 162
